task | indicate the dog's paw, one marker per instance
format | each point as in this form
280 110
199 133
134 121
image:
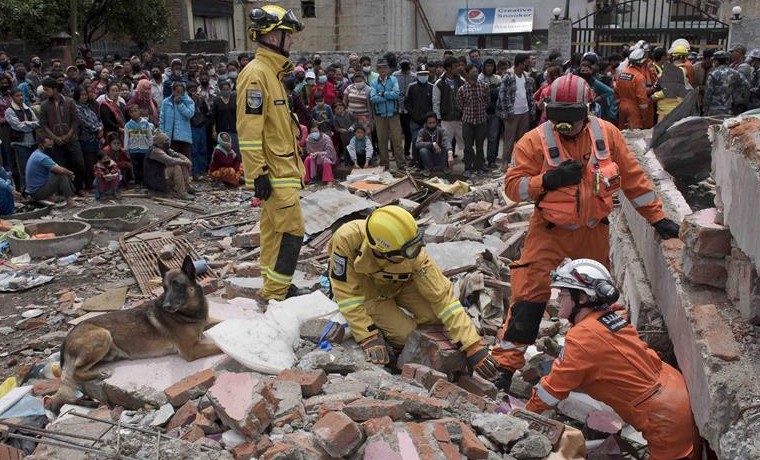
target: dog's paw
104 374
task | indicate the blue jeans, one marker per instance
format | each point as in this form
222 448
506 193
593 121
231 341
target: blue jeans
199 154
494 136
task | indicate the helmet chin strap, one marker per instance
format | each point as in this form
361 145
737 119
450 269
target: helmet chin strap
565 128
277 49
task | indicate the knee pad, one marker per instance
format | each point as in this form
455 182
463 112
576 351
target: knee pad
524 321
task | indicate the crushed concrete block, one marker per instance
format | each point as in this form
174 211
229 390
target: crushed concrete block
336 361
239 406
704 270
331 406
704 236
432 347
248 240
311 381
438 233
190 387
501 428
365 409
312 329
337 434
533 446
342 385
548 327
163 414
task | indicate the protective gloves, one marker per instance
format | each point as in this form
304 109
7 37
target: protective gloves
479 360
569 172
263 187
375 350
666 228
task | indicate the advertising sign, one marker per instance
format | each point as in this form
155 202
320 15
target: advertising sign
484 21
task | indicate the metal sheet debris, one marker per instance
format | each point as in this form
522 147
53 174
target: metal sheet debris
325 207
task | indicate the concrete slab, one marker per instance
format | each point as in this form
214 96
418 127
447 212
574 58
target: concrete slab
136 383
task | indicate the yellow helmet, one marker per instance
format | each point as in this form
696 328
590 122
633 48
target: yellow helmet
392 231
272 17
679 50
681 42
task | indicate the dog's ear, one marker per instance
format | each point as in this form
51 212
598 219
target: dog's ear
188 268
162 268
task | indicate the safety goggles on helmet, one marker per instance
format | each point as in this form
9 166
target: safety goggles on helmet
410 250
264 21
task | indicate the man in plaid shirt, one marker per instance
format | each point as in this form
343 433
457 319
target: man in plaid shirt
473 99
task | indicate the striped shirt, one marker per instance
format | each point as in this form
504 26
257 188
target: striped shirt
473 100
357 100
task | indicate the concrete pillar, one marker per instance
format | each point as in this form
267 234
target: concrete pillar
744 32
561 36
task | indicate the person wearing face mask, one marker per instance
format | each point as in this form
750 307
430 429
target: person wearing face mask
320 156
232 73
405 77
310 80
316 60
156 84
222 113
630 377
325 87
207 88
418 102
571 166
366 68
384 96
357 102
604 105
175 75
474 55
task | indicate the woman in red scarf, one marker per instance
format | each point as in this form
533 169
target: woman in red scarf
142 98
112 111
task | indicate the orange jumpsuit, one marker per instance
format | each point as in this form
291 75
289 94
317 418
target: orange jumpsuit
605 358
633 105
547 245
691 76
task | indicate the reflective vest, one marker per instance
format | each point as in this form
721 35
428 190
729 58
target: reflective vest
590 201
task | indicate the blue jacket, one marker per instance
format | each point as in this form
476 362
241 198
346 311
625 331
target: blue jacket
175 119
385 96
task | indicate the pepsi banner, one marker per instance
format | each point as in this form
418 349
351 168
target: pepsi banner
484 21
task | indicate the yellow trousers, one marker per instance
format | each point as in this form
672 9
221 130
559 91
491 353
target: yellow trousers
282 231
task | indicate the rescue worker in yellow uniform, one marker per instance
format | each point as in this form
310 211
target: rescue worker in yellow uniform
674 81
604 357
571 166
379 266
631 92
268 143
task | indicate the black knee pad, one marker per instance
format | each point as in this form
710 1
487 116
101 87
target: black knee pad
524 321
287 259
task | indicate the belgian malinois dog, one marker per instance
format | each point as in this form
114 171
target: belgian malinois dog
172 323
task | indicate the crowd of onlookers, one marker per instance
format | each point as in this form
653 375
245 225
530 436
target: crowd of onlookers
102 124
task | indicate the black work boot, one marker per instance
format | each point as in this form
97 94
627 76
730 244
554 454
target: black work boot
294 291
504 381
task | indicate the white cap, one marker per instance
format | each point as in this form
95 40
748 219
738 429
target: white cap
310 74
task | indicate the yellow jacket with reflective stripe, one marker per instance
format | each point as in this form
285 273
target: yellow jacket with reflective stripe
266 130
357 276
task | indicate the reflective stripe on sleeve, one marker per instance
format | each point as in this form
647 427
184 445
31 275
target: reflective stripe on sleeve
545 396
643 200
523 188
449 310
350 303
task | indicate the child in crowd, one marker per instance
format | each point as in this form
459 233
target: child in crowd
7 191
114 150
107 176
320 155
322 115
226 164
138 138
360 148
344 127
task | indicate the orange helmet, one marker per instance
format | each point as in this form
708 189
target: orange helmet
569 99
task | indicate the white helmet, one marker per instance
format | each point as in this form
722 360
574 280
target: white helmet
636 56
678 43
586 275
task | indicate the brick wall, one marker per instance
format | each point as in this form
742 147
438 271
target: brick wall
178 26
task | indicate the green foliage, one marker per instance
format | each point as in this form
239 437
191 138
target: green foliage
142 21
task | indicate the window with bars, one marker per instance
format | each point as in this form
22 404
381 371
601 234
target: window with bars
308 9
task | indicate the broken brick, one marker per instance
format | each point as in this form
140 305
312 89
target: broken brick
409 370
245 451
210 413
315 401
337 434
331 406
470 445
311 381
193 434
703 236
184 416
243 403
716 333
191 387
420 406
457 396
422 374
208 426
279 451
432 347
478 386
381 425
705 270
365 409
248 270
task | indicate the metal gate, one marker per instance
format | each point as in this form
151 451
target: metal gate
616 24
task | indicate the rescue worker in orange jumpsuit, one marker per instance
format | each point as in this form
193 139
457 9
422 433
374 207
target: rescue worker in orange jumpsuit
571 166
604 357
631 92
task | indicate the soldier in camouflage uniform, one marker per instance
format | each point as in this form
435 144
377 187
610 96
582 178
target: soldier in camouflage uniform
726 90
754 82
